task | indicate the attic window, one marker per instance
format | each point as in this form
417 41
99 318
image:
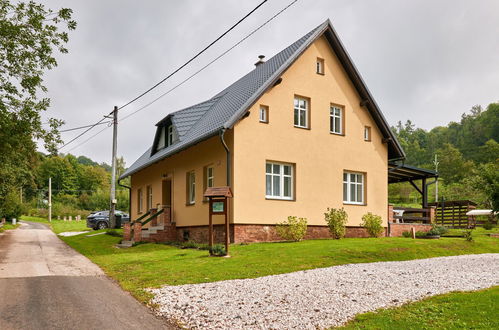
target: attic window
166 137
161 140
264 114
319 66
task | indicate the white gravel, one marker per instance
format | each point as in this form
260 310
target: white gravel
323 297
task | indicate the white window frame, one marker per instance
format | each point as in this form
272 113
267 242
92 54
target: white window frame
367 133
349 183
332 121
210 177
319 66
191 186
298 109
140 199
264 114
161 140
170 136
149 197
281 177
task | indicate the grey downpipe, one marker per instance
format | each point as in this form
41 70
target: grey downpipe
227 151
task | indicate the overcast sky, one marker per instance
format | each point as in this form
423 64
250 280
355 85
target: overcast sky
424 60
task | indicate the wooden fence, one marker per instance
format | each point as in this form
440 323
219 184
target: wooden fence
452 214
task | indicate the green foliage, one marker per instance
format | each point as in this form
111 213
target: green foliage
218 250
468 235
406 234
437 231
30 34
13 207
294 229
488 225
373 224
421 234
336 220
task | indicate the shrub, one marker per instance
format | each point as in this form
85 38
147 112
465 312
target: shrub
294 229
437 231
336 220
406 234
372 223
468 235
218 250
421 234
488 225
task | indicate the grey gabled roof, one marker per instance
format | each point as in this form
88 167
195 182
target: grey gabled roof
204 120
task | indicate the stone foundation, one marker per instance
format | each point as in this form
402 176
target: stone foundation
246 233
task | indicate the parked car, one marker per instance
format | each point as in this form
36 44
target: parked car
100 219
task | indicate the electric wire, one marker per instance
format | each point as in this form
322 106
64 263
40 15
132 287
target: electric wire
192 75
81 127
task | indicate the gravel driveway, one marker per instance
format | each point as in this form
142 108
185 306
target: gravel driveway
324 297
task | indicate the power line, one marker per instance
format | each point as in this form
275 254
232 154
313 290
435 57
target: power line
81 127
194 57
79 135
194 74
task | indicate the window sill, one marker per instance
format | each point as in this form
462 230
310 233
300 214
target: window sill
354 204
263 122
334 133
320 73
302 127
190 204
279 199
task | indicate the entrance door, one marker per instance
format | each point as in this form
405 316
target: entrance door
167 195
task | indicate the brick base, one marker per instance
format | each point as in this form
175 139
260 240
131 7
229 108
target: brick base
241 233
396 229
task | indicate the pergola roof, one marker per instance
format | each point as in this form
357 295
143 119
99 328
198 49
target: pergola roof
405 173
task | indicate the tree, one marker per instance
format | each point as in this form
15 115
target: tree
453 167
29 36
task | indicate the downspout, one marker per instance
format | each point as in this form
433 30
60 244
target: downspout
227 151
129 197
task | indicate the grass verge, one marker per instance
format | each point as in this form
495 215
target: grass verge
458 310
60 226
153 265
8 226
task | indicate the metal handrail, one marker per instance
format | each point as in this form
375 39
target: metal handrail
153 216
143 216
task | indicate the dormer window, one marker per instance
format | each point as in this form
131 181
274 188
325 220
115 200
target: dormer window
161 140
166 137
170 135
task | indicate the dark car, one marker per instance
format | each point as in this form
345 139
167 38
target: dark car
100 219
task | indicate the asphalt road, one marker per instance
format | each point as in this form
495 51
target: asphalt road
44 284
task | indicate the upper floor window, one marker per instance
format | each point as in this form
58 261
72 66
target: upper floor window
170 135
278 181
264 114
191 187
166 137
319 66
140 201
301 107
161 140
353 188
336 120
367 133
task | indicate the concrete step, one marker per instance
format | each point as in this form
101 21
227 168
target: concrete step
125 244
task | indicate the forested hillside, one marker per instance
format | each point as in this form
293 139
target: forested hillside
467 153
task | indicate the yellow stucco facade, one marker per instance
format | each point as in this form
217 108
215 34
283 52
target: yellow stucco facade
318 157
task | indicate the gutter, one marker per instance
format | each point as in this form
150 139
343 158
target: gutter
129 197
227 151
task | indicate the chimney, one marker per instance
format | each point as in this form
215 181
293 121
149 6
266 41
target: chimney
260 60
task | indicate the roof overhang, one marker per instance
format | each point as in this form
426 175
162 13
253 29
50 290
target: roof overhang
405 173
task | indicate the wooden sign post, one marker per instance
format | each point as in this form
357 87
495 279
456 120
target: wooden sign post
218 197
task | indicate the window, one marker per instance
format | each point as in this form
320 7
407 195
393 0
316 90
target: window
301 112
161 140
264 114
367 133
191 187
170 135
353 188
336 120
140 201
149 198
278 181
209 177
319 66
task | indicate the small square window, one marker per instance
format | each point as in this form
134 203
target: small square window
264 114
319 66
367 133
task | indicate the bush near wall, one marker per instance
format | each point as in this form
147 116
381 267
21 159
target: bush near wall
373 224
336 220
293 229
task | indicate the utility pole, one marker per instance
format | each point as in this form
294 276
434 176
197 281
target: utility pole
435 162
21 195
50 199
112 218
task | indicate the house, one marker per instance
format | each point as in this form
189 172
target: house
296 135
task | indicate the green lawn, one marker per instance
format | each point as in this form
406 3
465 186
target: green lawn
460 310
153 265
8 226
59 226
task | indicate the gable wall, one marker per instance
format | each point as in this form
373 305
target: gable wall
319 157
